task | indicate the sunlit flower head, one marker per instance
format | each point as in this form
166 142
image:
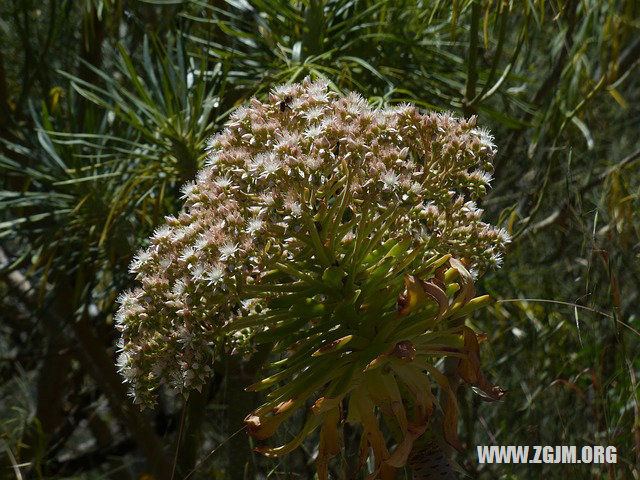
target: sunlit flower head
273 178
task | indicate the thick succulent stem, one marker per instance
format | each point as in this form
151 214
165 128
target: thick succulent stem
431 463
239 375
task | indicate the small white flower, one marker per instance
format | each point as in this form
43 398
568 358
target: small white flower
313 162
296 209
162 233
313 132
201 242
485 138
123 360
212 142
127 301
165 263
482 176
254 164
283 91
504 235
204 176
187 190
415 188
228 250
186 337
198 273
390 179
469 206
314 114
496 259
222 182
267 198
356 103
178 289
239 114
212 159
214 275
270 166
188 255
142 258
254 225
431 211
319 86
177 380
180 235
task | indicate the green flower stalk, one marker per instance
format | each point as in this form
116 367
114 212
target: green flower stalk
346 236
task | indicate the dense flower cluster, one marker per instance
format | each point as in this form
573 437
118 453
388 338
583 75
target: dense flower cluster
274 167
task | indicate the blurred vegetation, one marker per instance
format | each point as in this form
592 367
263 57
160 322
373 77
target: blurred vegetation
105 109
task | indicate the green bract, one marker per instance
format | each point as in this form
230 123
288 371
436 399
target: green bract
347 236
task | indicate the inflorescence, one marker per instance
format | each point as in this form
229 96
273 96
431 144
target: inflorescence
252 207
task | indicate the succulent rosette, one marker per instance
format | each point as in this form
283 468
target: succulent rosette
345 236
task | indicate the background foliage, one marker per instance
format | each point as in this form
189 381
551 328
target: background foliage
105 107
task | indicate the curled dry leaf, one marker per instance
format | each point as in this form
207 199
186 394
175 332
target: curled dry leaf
470 370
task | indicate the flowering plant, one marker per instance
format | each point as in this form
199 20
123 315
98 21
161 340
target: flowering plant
346 236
